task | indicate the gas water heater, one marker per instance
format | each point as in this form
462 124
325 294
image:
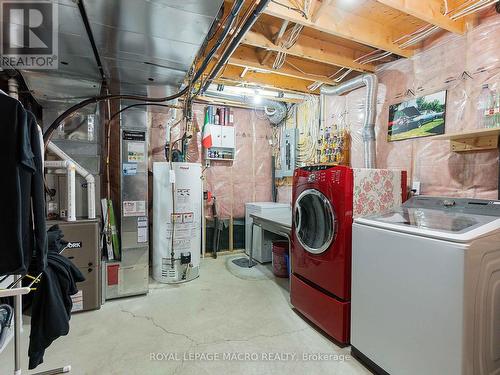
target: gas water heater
177 218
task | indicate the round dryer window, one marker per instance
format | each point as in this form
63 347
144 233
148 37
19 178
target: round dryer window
314 221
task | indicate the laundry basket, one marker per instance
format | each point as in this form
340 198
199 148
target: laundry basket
280 264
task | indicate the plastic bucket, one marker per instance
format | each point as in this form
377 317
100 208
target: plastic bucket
280 255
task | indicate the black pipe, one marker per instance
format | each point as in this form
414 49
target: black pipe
229 24
55 124
139 105
236 41
86 23
48 133
274 192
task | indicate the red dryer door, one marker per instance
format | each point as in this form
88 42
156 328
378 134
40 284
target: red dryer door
321 230
315 221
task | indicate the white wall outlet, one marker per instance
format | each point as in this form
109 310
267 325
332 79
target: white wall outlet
415 187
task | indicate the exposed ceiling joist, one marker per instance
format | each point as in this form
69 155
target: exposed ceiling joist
336 21
428 11
316 13
249 58
312 49
231 74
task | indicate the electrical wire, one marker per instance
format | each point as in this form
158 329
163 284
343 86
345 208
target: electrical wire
295 9
306 122
464 9
288 41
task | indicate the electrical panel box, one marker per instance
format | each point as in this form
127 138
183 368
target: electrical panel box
288 151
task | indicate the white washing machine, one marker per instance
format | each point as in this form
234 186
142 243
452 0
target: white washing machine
426 288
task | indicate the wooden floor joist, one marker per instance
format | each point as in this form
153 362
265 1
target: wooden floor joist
428 11
248 57
312 49
336 21
231 75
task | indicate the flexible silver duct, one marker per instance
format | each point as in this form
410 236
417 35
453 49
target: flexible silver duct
275 111
371 83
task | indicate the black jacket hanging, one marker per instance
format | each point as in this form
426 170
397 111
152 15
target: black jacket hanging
51 305
17 157
22 227
38 260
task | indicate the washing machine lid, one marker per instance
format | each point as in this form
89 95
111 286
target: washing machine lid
456 220
315 221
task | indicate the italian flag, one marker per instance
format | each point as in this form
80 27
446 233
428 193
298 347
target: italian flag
207 136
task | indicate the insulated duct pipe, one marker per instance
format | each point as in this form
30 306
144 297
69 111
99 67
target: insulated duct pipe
276 111
371 82
70 184
82 172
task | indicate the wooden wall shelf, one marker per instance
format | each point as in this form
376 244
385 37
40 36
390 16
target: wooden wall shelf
472 140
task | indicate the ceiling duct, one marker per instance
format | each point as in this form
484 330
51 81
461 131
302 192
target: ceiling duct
371 83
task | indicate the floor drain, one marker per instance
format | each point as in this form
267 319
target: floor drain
243 262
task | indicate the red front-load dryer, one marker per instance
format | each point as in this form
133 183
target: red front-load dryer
323 199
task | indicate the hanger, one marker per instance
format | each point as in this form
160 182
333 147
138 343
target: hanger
3 92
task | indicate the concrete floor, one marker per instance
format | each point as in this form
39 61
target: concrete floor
214 316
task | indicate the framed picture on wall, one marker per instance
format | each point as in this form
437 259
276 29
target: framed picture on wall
420 117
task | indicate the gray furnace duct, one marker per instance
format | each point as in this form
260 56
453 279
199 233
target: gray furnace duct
129 275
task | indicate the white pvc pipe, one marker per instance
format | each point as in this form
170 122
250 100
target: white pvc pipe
54 164
71 184
82 172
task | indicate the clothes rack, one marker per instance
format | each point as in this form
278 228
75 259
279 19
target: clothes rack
16 291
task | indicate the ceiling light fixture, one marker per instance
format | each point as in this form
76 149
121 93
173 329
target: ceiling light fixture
257 98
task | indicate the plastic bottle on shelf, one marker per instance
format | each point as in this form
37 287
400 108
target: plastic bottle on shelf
483 107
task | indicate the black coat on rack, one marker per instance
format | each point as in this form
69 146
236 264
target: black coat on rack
22 224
